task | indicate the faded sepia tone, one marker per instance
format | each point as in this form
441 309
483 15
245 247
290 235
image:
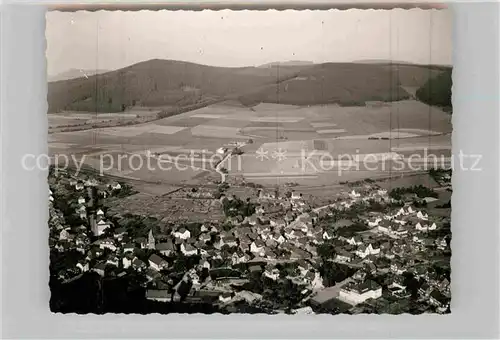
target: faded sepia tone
246 161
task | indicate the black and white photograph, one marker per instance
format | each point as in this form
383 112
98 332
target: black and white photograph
272 162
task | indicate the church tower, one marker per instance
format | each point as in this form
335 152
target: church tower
151 239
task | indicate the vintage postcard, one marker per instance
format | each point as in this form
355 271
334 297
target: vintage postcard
293 161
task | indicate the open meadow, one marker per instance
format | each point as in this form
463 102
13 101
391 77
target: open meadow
307 145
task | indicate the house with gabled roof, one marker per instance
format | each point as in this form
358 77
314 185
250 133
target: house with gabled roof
182 234
138 264
290 234
397 267
343 256
277 223
119 233
113 260
297 253
269 253
239 257
278 238
166 248
188 250
157 263
257 247
373 222
328 235
422 216
108 243
437 299
356 293
127 260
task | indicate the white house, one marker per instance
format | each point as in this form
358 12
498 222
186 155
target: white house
63 235
81 200
359 293
257 247
100 227
157 263
354 194
433 226
112 260
343 256
273 274
368 250
100 212
84 267
355 241
399 232
296 195
383 229
79 186
327 235
225 297
221 150
107 243
396 288
278 238
116 186
290 234
127 262
205 264
422 216
419 227
397 268
382 192
182 233
375 222
188 249
239 257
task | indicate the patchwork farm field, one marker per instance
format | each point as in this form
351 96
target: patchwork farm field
279 140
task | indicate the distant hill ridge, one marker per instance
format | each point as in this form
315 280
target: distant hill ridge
74 73
174 83
287 63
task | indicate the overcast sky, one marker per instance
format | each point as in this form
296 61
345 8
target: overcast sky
112 39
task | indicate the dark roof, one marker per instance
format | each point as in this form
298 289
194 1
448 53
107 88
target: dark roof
156 259
165 246
303 263
310 275
101 266
188 247
259 243
342 252
344 223
255 268
229 239
436 294
156 293
363 287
